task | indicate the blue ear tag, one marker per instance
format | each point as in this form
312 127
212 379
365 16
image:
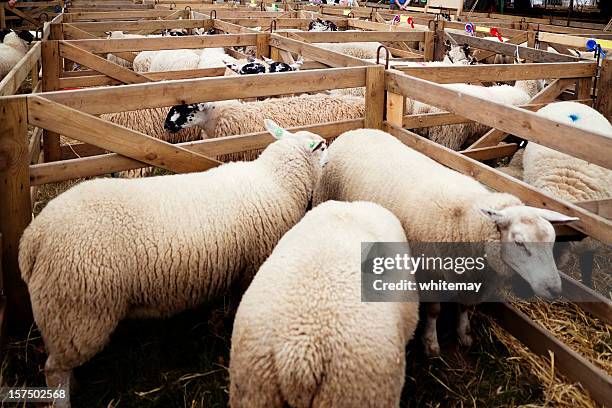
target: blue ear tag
574 117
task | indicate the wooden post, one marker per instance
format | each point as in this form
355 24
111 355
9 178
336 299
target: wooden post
531 39
275 54
429 45
34 73
375 97
604 96
50 59
16 207
2 16
439 48
583 88
263 46
395 108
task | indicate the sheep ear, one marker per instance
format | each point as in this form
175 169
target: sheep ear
268 60
553 217
499 217
275 130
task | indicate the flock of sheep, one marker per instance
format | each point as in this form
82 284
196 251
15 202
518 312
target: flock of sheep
115 248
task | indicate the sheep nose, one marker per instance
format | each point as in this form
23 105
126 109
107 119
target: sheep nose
171 127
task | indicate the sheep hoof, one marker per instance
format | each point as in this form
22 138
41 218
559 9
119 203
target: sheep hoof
432 349
466 340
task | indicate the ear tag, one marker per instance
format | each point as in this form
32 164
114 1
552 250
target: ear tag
278 132
312 144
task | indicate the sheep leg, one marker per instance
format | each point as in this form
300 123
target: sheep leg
58 377
430 337
463 326
586 268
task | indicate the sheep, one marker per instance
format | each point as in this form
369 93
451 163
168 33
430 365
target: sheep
363 50
455 55
322 25
13 48
570 178
214 58
314 352
232 117
254 66
462 134
174 60
121 35
111 249
150 122
142 61
437 204
274 66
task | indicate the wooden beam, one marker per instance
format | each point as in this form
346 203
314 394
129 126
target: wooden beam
105 100
51 63
481 55
599 207
74 33
548 94
492 152
594 147
330 58
16 214
15 77
509 49
567 361
502 72
83 57
589 223
112 162
90 129
604 86
375 97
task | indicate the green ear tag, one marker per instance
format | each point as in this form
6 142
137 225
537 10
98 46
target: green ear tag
312 144
278 132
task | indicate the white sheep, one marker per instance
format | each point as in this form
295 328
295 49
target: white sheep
174 60
109 249
459 135
142 61
437 204
232 117
120 35
364 50
570 178
214 58
303 337
12 49
150 122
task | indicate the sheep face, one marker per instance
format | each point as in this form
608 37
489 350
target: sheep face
527 238
25 36
458 55
283 67
322 25
250 68
175 32
186 116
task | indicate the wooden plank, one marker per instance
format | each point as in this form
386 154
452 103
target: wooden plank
429 45
594 147
104 100
361 36
90 129
548 94
330 58
509 49
22 15
568 40
604 96
588 299
73 33
114 15
263 45
589 223
491 152
15 192
481 55
15 77
81 56
375 97
567 361
129 26
103 80
502 72
165 43
395 108
599 207
50 60
583 88
112 162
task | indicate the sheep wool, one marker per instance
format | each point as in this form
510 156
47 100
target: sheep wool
232 117
12 49
150 122
109 249
463 134
562 175
174 60
307 347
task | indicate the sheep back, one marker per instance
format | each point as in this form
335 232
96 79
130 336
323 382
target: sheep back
307 346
